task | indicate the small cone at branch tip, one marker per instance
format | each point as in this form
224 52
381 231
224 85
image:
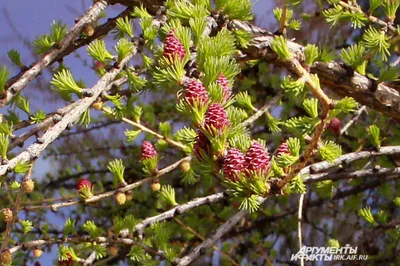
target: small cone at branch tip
335 125
6 256
7 215
195 91
216 117
185 166
113 250
201 143
155 186
148 151
28 186
120 197
283 148
173 47
257 158
83 183
225 85
234 163
37 252
85 188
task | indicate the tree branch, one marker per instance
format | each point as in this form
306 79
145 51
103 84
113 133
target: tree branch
147 130
34 150
202 239
261 111
348 158
19 83
110 193
357 114
139 228
349 175
89 260
340 78
222 230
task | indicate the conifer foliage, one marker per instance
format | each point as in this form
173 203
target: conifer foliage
192 99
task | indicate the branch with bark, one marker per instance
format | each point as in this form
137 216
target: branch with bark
34 150
19 82
335 75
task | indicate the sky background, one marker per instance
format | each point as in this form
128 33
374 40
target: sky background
22 20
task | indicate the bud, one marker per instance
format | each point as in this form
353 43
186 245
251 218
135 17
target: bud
7 215
120 197
283 148
148 151
195 91
88 30
113 250
335 125
155 186
225 86
99 67
37 252
97 105
173 46
6 256
257 158
129 195
184 166
85 188
28 186
216 118
234 164
83 183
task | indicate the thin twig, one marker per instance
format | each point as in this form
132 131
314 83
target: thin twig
348 158
267 260
104 241
145 129
226 227
190 229
260 112
110 193
90 259
222 230
326 103
371 18
102 262
340 194
299 221
349 175
354 119
282 22
52 119
16 209
139 228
